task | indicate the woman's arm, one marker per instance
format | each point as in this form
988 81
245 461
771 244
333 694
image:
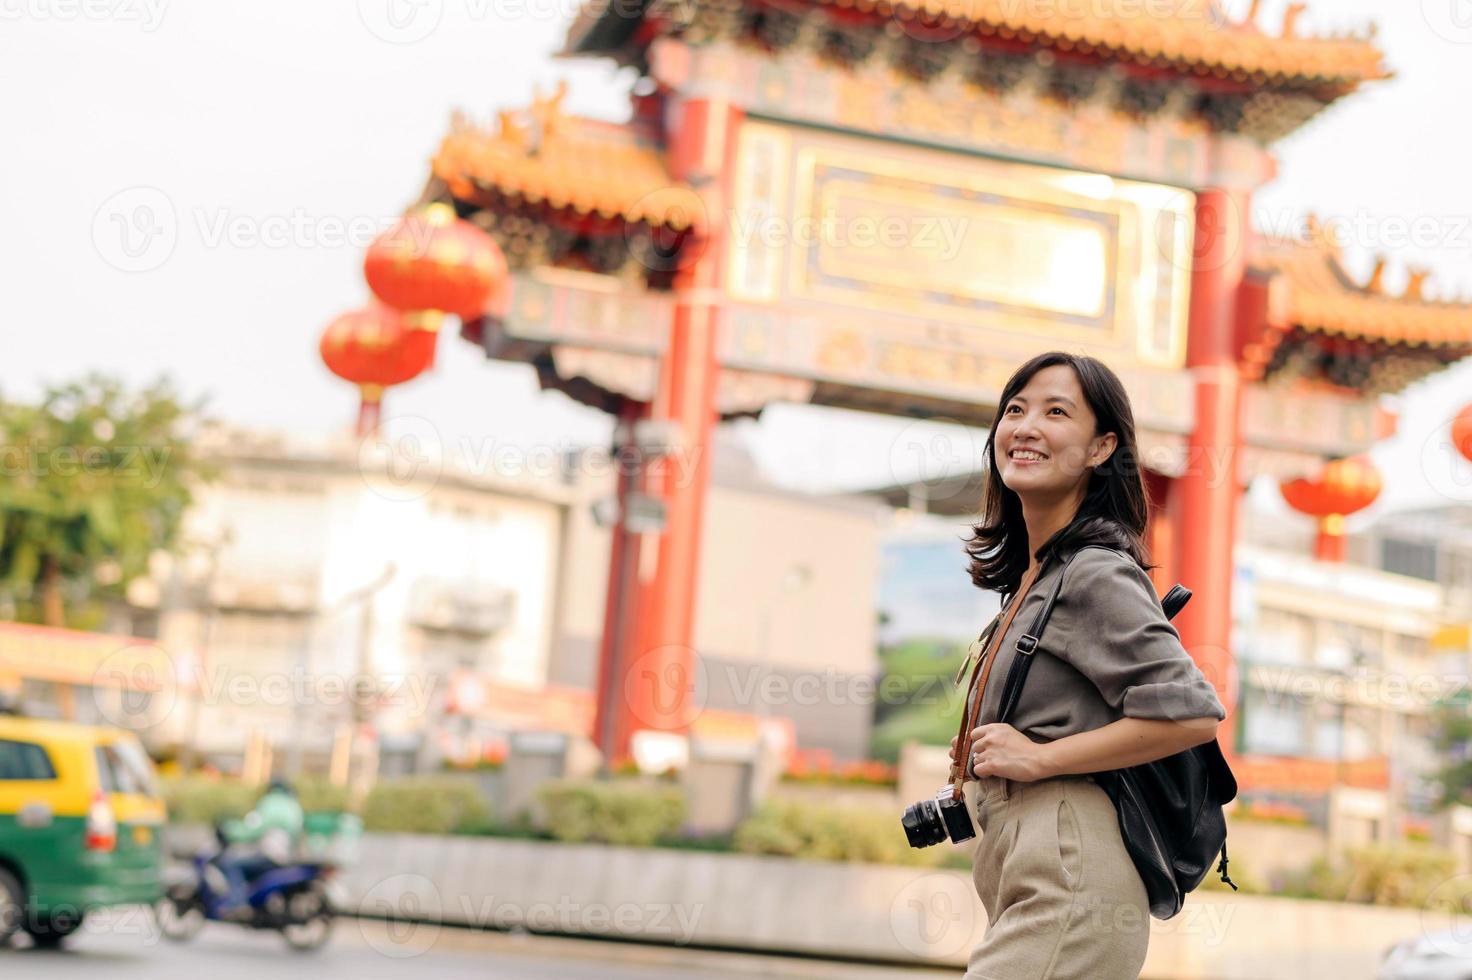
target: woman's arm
1123 743
1001 750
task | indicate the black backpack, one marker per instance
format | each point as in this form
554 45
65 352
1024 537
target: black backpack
1170 810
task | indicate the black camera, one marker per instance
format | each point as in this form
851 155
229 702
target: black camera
932 821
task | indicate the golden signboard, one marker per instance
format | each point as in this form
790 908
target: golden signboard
992 255
1021 256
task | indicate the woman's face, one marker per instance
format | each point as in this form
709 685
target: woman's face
1045 442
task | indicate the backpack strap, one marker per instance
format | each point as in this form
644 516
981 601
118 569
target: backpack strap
1027 643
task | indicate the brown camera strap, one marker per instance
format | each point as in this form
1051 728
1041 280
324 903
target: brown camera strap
959 770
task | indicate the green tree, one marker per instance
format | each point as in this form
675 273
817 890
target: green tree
918 697
1451 734
93 479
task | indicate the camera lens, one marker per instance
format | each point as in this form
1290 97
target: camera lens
923 825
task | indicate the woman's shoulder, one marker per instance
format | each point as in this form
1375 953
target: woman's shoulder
1101 573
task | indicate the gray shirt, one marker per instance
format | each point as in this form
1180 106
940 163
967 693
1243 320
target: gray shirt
1107 653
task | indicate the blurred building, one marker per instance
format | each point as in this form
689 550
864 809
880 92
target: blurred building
925 592
1432 543
432 609
1343 667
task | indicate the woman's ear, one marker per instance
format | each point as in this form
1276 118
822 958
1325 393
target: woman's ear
1104 448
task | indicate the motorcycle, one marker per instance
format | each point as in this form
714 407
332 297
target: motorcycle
293 899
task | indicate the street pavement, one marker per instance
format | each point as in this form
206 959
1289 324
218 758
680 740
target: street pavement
127 947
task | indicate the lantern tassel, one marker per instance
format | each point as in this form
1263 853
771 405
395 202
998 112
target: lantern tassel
1331 545
370 408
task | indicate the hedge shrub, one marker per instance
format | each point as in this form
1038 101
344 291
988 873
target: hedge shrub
425 805
1407 875
204 800
195 799
827 832
636 814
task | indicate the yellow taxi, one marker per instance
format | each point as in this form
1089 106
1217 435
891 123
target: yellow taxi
80 824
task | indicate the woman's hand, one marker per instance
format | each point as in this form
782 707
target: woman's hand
1001 750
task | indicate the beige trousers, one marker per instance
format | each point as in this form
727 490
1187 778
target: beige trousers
1062 897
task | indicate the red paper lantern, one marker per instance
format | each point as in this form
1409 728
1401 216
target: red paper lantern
1344 487
1462 432
378 346
432 260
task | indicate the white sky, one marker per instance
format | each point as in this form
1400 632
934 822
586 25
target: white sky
275 136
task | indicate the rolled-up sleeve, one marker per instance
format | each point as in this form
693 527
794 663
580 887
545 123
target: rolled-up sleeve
1118 637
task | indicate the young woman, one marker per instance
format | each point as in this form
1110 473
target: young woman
1110 685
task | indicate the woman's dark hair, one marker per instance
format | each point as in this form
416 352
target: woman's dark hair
1114 510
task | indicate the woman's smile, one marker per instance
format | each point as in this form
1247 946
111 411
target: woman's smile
1027 456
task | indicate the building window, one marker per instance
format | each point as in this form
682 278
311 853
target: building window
1272 722
1343 646
1281 638
1414 558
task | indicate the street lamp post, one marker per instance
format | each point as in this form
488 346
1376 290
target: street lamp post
364 594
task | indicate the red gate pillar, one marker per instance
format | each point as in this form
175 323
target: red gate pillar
1207 495
621 601
660 678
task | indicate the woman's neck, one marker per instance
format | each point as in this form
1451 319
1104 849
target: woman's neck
1045 518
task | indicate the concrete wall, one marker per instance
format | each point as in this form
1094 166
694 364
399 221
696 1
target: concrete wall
1266 852
895 914
784 621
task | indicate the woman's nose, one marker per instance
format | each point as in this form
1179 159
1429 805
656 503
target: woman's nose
1025 425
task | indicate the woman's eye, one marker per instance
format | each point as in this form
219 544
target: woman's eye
1013 408
1055 408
